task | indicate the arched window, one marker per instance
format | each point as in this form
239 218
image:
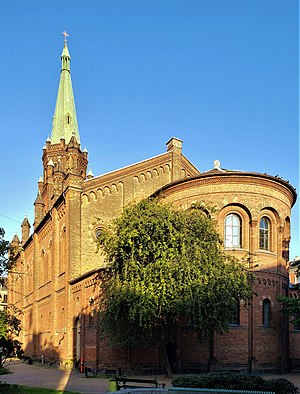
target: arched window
266 315
49 261
42 267
63 251
46 264
264 233
63 319
233 231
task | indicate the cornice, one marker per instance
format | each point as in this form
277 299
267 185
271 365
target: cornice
85 276
232 177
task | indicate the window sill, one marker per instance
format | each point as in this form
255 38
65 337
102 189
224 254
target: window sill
266 251
233 327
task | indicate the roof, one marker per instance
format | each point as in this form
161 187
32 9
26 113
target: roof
222 172
64 123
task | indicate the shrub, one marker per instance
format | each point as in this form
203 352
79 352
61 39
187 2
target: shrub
4 371
280 385
10 389
234 381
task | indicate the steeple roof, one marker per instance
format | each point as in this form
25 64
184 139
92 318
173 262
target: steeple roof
65 120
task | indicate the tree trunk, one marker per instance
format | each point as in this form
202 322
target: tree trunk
211 351
164 360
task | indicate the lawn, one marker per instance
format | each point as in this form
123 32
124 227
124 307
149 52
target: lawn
15 389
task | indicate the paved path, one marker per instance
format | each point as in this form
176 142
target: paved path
37 375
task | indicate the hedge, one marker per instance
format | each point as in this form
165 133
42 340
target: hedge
234 381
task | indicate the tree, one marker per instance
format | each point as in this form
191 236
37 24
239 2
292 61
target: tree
6 255
291 307
9 323
165 267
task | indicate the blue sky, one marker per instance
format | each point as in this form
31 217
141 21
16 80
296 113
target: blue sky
220 74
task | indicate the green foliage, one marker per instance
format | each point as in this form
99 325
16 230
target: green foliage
291 307
38 390
280 386
10 388
165 267
9 322
3 324
15 389
4 371
7 260
233 381
10 346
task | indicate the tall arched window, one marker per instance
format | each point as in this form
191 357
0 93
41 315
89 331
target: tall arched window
266 315
233 231
42 267
264 233
63 251
50 261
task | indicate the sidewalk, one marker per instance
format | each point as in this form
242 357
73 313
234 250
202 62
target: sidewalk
37 375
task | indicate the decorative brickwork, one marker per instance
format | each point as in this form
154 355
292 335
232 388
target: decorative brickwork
58 272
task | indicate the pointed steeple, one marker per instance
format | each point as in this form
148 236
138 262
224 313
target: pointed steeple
64 124
63 160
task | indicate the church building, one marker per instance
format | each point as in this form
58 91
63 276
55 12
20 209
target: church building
59 270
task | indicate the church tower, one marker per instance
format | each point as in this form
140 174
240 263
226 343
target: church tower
63 160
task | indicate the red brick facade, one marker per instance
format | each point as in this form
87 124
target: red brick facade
58 288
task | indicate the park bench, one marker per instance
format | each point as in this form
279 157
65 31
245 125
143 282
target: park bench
135 383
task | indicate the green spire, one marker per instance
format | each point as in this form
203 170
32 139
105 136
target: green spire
64 120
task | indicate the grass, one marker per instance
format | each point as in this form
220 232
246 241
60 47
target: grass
15 389
37 390
4 371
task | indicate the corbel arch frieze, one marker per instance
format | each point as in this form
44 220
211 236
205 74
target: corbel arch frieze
120 187
92 196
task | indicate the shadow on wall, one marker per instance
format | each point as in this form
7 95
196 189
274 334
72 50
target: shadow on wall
44 350
254 327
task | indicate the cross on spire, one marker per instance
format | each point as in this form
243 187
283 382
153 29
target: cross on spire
66 35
